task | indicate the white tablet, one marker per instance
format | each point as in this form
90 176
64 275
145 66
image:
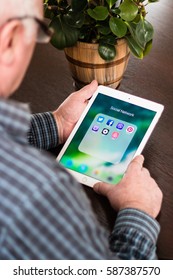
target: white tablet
113 129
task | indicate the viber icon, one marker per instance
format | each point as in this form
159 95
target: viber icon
95 128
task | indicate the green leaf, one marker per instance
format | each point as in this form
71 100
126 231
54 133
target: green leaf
106 51
118 27
129 10
111 3
48 13
134 47
50 2
103 29
74 19
98 13
144 32
132 29
109 39
78 5
153 1
64 35
148 47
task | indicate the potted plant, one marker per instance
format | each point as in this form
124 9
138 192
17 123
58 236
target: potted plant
103 26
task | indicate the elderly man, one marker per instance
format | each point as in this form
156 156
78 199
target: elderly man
44 213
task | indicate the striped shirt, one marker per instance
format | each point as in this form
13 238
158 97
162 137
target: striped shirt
44 213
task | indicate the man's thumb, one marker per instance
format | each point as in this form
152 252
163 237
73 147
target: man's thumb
102 188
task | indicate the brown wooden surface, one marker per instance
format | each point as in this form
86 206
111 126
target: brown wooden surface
48 83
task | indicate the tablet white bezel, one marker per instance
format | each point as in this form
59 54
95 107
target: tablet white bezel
135 100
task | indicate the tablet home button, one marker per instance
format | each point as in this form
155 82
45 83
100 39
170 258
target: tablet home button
84 179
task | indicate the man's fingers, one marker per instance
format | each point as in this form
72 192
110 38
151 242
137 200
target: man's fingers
102 188
136 164
87 91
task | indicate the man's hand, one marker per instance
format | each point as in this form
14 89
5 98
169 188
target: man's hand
136 190
70 110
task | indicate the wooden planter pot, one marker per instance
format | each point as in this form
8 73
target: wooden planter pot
86 64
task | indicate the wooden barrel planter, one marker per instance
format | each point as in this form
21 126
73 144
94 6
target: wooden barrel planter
86 64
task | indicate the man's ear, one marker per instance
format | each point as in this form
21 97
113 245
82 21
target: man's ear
9 39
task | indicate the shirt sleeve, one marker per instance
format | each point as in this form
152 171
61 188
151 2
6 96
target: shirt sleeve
135 235
43 132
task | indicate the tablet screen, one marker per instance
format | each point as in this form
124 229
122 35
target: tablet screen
107 139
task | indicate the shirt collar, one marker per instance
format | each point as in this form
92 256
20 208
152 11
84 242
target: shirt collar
14 119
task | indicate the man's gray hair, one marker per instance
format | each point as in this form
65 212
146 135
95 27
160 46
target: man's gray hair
19 8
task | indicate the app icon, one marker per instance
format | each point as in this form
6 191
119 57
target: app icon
96 172
100 119
130 129
115 135
83 168
69 163
110 178
120 126
105 131
110 122
95 128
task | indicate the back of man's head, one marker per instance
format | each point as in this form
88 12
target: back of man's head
18 8
18 33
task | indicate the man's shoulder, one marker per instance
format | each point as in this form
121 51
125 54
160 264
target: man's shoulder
31 178
25 164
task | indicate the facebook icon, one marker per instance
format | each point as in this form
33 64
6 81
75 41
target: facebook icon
110 122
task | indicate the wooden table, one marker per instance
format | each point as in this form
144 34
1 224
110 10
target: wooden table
48 82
